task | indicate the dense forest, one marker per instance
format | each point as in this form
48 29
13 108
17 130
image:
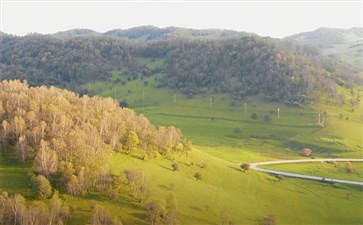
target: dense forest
69 138
193 62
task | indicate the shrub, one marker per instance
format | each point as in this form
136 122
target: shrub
266 117
237 130
279 177
349 167
175 166
269 220
113 194
245 167
306 151
42 187
198 176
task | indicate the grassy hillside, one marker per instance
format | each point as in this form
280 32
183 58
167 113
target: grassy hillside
224 193
224 136
216 120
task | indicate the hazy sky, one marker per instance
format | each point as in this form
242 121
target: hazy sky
267 18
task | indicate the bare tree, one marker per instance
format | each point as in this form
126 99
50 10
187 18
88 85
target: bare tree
46 160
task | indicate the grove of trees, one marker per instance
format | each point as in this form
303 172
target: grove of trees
69 138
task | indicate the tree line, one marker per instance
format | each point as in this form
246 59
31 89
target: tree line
239 64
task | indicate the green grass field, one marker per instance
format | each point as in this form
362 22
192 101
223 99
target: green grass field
223 136
245 197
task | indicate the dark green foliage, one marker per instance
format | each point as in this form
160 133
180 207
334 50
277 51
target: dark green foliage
245 167
254 115
175 166
42 187
198 176
266 117
123 104
238 64
237 130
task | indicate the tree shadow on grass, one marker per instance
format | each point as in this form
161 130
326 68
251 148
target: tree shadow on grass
237 169
195 208
139 215
162 166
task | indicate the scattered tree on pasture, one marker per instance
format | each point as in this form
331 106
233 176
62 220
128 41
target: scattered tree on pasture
245 166
175 166
198 176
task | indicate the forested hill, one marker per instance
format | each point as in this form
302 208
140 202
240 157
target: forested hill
192 61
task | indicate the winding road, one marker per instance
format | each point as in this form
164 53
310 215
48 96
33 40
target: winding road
254 166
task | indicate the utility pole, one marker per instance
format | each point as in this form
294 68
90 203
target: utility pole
319 118
278 113
143 99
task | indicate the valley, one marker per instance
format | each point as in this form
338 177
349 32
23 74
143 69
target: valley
145 131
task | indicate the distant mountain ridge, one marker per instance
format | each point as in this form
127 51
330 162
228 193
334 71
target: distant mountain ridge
346 43
191 61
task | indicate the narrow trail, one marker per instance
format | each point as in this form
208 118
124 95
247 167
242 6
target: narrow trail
254 166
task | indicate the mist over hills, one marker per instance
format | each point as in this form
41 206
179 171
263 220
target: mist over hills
192 61
346 43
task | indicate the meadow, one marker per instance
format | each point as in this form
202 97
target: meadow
224 135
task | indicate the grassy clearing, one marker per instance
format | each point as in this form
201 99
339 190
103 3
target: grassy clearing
223 122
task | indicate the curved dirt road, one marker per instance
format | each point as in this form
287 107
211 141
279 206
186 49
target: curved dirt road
254 166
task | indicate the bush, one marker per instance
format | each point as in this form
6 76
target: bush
245 167
279 177
349 167
101 216
198 176
175 166
237 130
266 117
306 151
42 187
123 104
269 220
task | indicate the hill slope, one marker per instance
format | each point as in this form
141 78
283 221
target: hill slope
346 43
238 64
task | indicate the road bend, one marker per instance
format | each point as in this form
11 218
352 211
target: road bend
255 166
